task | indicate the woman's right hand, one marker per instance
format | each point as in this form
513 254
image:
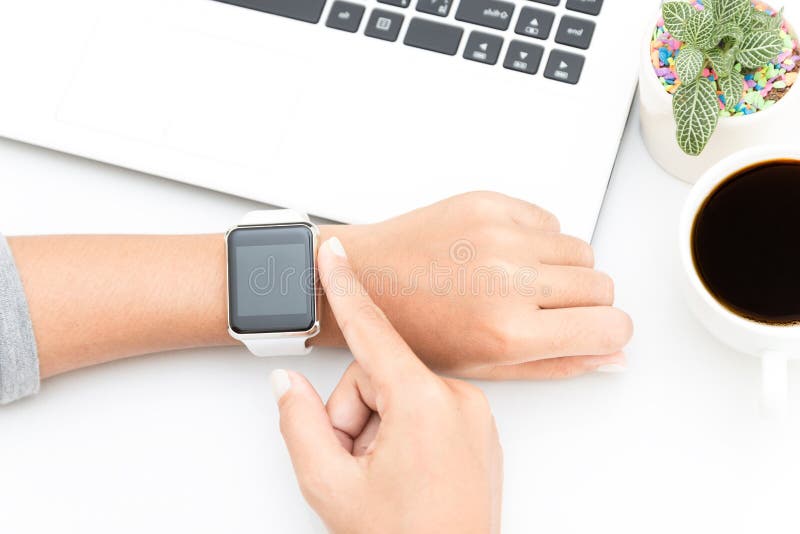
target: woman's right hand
399 449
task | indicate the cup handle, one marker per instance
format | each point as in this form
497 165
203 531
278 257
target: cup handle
774 384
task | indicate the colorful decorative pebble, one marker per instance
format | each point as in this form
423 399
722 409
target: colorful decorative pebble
763 87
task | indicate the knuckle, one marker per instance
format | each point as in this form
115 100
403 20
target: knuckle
435 396
497 338
314 486
543 219
547 220
462 388
491 197
583 252
473 397
483 203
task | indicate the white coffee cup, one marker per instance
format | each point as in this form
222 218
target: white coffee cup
774 344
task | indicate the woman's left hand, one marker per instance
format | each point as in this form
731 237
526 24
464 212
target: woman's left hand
486 286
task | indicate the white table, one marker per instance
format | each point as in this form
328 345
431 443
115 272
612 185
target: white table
189 442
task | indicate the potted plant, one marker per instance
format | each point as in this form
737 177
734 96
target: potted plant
717 77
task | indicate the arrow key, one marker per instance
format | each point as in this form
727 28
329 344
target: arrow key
564 67
534 22
523 57
483 48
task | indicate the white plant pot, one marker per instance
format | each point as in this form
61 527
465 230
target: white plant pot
776 125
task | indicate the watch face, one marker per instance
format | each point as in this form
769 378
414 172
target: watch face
271 280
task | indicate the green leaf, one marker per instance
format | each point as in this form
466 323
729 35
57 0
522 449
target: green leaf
700 30
675 16
760 20
758 48
689 64
721 61
733 88
731 34
725 11
742 17
775 22
696 113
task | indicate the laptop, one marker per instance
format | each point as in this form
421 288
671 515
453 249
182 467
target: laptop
351 110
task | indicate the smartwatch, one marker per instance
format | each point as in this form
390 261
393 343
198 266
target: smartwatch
273 301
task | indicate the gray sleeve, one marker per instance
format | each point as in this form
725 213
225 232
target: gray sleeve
19 361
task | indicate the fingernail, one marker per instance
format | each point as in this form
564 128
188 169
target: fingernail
612 368
280 381
337 247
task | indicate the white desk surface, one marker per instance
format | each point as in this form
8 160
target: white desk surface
189 442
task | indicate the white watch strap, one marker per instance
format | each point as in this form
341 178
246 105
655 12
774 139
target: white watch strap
286 346
280 346
264 217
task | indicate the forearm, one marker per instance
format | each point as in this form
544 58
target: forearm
94 299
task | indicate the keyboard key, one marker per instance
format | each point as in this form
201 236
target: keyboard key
575 32
590 7
435 7
483 47
345 16
305 10
535 22
397 3
523 57
384 25
564 67
491 13
549 2
433 36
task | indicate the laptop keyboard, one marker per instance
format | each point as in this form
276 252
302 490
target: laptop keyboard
487 24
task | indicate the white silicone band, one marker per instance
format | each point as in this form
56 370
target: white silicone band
267 217
283 346
279 346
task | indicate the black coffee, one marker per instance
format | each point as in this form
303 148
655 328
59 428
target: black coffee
746 242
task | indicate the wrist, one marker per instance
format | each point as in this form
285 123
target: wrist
330 335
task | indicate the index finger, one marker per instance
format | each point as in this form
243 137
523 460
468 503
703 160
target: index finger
383 354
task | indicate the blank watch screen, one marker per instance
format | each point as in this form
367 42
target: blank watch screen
271 279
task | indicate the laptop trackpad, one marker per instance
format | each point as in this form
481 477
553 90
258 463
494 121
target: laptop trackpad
171 86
